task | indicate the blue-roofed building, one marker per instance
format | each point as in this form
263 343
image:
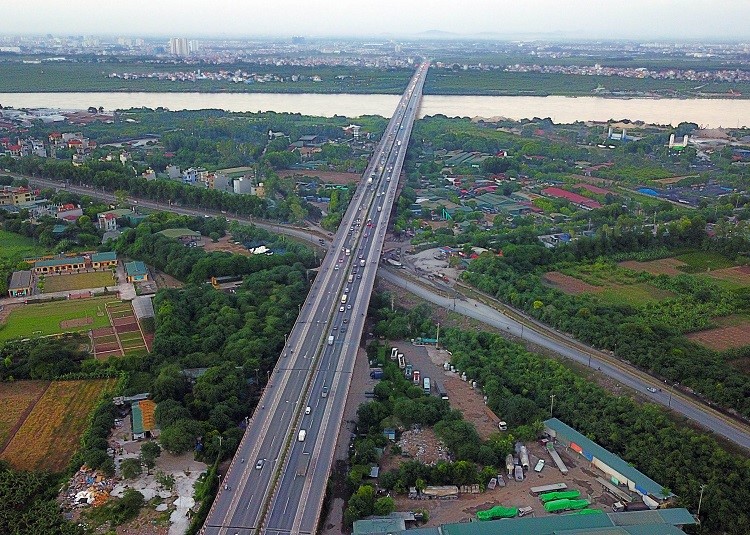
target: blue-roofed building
659 522
136 271
103 260
616 469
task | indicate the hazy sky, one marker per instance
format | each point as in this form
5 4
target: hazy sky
673 19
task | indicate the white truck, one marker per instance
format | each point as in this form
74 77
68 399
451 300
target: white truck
330 340
302 435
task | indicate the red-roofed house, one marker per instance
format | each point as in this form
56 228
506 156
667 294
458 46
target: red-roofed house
14 151
593 189
107 222
578 200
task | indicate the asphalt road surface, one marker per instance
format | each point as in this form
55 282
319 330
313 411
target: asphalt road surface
278 477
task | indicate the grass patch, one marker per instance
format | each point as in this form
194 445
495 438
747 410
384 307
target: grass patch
127 337
633 294
44 319
700 261
17 246
78 281
139 352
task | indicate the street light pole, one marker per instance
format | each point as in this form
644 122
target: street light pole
700 502
552 404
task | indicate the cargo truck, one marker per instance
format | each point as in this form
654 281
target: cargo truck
361 263
303 464
330 340
301 436
376 373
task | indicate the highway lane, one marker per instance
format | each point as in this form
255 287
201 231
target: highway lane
298 499
574 350
310 365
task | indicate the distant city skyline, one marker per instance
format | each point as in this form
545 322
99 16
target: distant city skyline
552 19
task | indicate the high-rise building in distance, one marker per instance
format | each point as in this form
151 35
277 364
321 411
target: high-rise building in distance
178 46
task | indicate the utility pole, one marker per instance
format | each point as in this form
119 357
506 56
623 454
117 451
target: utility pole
437 340
552 404
700 502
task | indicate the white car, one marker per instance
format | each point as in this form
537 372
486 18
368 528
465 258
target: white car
341 308
651 389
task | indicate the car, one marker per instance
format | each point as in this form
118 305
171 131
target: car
359 276
341 308
652 389
349 306
308 410
336 267
346 320
324 392
260 464
343 329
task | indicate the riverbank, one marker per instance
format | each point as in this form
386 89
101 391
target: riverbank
127 77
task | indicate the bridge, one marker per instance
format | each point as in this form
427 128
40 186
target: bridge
277 480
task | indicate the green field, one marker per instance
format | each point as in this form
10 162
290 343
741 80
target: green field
700 261
17 246
44 319
633 294
78 281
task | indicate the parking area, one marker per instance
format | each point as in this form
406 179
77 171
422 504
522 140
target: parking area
470 401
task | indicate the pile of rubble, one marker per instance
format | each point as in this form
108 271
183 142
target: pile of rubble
423 445
87 487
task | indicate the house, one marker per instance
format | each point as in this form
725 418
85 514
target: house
136 271
15 196
20 284
104 260
107 222
60 265
69 212
143 420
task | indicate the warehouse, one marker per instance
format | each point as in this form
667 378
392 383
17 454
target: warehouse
617 470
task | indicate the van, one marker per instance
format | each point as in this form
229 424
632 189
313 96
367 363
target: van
302 435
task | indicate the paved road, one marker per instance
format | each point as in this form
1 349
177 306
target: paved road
569 348
278 477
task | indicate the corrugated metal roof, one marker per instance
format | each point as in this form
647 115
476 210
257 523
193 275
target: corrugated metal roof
143 307
616 463
135 268
137 419
379 525
674 516
59 262
20 279
106 256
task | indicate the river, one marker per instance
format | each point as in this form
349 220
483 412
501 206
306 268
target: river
728 113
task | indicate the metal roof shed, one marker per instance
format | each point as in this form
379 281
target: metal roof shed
605 460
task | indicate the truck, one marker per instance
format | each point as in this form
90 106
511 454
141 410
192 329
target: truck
401 361
343 299
376 373
347 252
362 263
415 377
301 436
394 263
394 353
330 340
303 464
426 385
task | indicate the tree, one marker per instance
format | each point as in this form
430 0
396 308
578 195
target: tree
130 468
149 452
384 506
